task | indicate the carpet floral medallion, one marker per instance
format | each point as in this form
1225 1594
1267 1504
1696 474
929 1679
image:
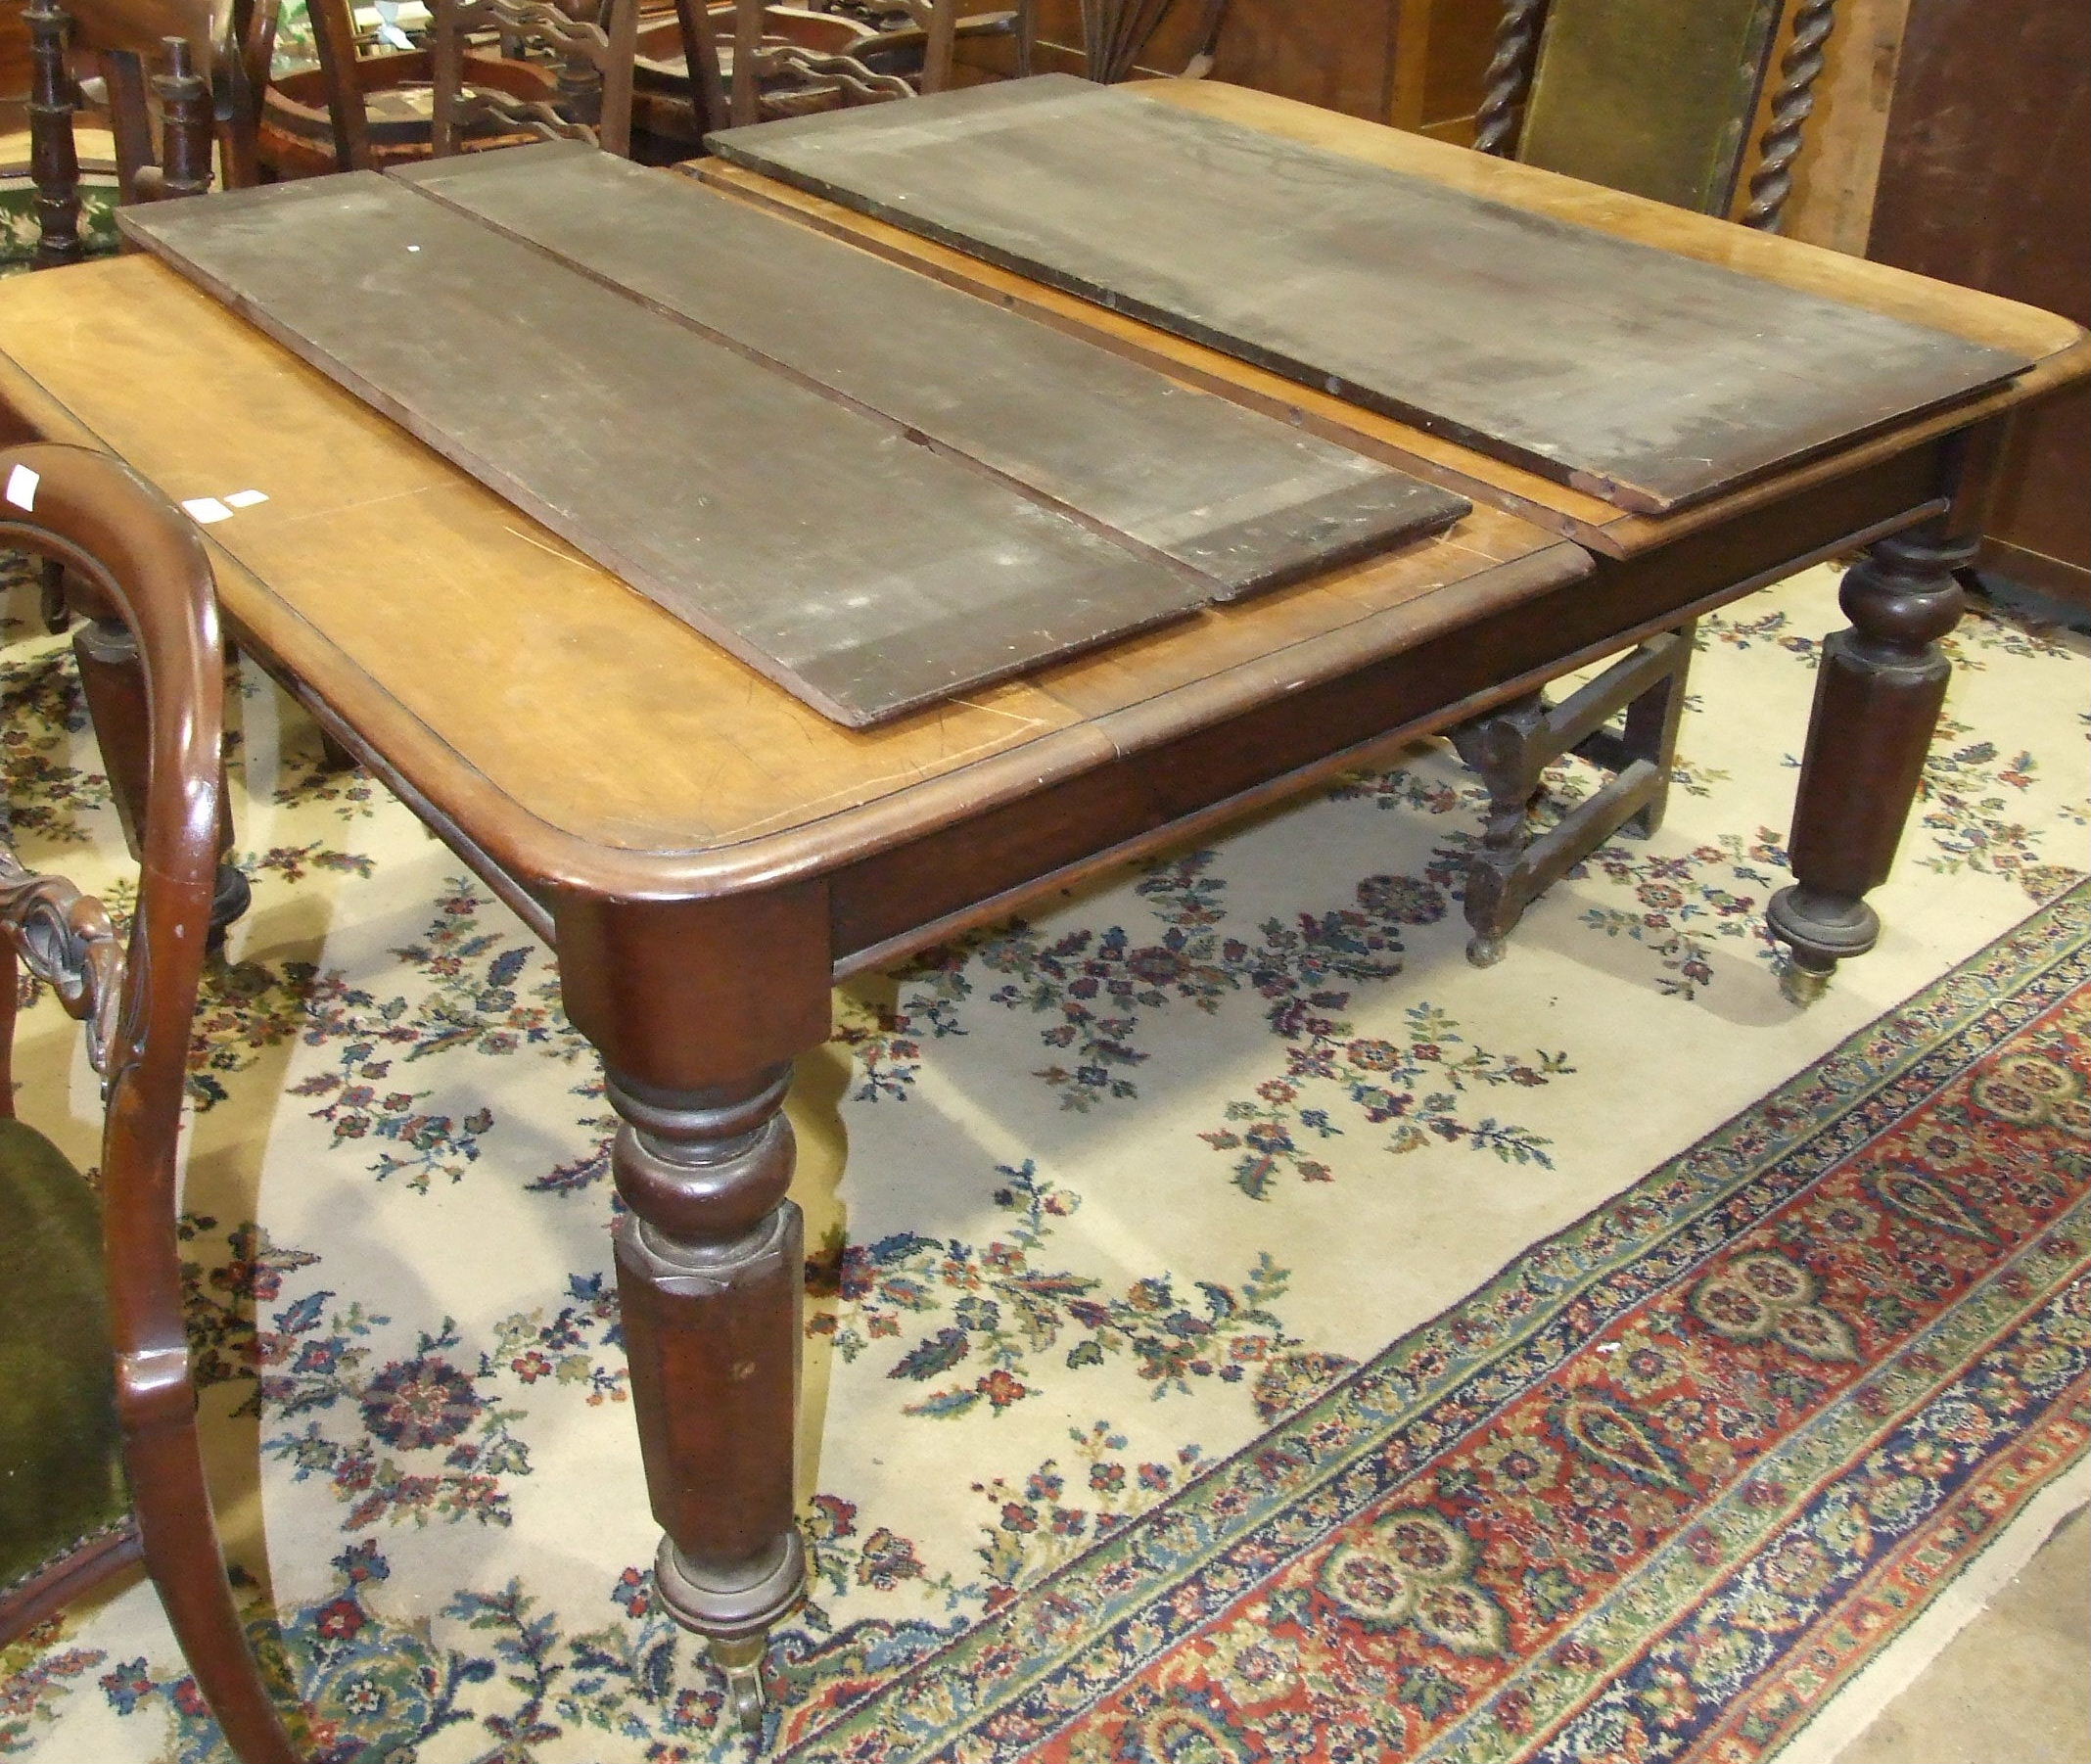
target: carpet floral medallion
1239 1329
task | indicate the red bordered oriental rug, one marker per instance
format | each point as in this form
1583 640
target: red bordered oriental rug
1652 1494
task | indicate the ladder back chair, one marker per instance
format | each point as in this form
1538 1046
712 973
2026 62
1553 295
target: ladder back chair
363 106
1656 98
593 101
100 1460
802 59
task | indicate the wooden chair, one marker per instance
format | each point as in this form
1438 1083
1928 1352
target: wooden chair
1657 98
594 62
100 1463
97 52
814 57
118 39
358 111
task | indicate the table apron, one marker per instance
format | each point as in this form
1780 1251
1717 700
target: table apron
1165 785
1160 792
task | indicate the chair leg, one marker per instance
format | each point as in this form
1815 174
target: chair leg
163 1458
1511 746
51 604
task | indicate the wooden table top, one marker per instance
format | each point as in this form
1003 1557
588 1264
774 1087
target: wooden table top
570 727
2059 350
586 738
875 489
1648 378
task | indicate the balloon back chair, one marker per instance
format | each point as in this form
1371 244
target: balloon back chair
100 1460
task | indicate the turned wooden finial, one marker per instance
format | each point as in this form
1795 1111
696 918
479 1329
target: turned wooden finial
54 165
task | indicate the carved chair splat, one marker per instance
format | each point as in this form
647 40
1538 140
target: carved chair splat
360 112
1545 46
594 62
802 59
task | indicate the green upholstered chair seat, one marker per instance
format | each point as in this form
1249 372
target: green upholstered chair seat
61 1470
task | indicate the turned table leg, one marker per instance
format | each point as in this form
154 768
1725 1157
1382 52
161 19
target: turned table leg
1877 704
698 1008
710 1264
1500 748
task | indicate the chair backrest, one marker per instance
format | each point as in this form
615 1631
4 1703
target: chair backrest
228 47
372 108
150 576
144 560
209 67
594 59
182 165
334 43
774 69
1657 97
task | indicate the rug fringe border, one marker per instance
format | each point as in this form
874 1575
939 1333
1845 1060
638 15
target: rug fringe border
1875 1687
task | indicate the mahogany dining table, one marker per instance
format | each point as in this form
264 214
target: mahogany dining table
708 856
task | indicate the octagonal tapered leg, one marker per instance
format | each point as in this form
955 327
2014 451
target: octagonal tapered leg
699 1006
1877 703
709 1266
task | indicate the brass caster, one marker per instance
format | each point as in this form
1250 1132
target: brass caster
740 1658
1486 951
1802 985
1817 930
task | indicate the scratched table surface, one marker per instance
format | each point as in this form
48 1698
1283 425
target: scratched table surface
878 491
1644 377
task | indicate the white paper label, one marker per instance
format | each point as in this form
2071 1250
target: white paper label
245 498
204 510
21 485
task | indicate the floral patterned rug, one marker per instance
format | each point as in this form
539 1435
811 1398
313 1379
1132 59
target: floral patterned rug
1244 1330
